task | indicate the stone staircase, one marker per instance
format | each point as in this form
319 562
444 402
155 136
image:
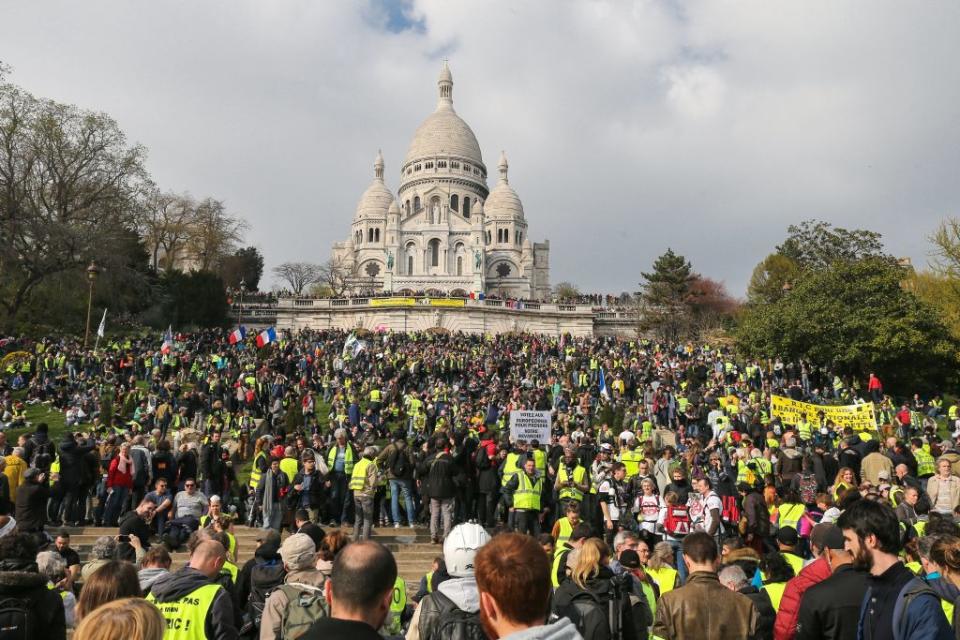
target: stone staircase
411 547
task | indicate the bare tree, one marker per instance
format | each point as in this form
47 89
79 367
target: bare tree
166 226
566 291
214 234
299 275
338 275
69 188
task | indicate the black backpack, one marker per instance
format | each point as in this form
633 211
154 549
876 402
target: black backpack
264 580
595 619
43 455
454 623
18 620
400 466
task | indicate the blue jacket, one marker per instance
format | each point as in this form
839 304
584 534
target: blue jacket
917 614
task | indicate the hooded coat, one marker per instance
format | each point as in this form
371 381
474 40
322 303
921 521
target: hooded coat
219 624
21 581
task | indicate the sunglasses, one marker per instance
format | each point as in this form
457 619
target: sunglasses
189 485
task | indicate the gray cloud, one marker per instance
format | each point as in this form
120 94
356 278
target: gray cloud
630 127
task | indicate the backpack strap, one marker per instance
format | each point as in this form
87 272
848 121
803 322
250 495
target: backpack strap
914 588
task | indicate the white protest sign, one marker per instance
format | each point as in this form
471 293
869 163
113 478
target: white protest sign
530 425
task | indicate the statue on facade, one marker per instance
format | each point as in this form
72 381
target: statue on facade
477 258
389 260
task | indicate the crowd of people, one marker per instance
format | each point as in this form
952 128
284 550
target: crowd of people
666 501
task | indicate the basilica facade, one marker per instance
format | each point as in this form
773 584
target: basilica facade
444 231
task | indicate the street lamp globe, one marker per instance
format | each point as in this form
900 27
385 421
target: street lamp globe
243 285
92 271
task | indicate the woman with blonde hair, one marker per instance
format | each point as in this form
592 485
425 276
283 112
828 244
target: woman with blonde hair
660 567
846 479
128 618
590 582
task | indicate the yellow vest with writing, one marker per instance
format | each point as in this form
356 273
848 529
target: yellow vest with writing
187 616
527 495
571 493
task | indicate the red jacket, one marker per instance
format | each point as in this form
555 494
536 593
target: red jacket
117 479
786 626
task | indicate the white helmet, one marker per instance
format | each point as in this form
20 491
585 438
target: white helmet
461 546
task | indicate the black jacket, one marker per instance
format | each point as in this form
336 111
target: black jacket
219 624
132 524
31 501
32 587
315 492
72 459
440 469
187 465
211 463
767 615
334 629
831 609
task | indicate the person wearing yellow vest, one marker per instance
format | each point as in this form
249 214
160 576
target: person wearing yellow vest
340 460
660 567
563 527
787 540
289 464
631 458
926 466
302 580
573 481
526 490
777 572
363 484
193 607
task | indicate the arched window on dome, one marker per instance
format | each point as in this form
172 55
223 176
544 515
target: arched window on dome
407 206
369 235
455 202
409 265
459 265
416 204
466 207
410 249
376 234
434 247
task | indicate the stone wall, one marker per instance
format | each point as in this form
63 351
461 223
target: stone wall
468 316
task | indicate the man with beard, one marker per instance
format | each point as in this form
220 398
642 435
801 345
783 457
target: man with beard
897 604
513 578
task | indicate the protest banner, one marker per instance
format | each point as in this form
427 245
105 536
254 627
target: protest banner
530 425
392 302
859 417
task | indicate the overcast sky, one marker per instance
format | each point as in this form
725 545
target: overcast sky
706 126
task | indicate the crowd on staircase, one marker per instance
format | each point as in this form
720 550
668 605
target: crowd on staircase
666 501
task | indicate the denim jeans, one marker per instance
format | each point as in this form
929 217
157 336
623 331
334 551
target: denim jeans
678 557
441 517
396 488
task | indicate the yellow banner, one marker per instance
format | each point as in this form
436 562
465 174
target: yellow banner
392 302
856 416
447 303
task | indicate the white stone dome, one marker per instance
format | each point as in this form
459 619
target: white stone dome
376 200
444 132
503 201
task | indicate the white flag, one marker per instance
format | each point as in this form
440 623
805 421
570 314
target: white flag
103 324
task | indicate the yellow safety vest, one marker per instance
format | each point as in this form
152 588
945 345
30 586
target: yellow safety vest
540 461
63 594
665 577
925 463
795 561
347 458
631 460
527 495
359 476
566 530
571 493
775 591
790 515
375 395
187 617
232 569
255 471
54 468
510 468
289 466
558 557
429 578
398 602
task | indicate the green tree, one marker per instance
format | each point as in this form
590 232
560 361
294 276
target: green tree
195 299
665 296
245 264
814 244
770 277
857 317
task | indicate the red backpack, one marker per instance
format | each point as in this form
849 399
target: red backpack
677 522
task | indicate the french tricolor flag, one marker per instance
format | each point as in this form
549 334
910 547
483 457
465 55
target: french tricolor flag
266 337
237 335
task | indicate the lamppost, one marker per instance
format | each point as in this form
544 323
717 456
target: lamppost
92 272
243 288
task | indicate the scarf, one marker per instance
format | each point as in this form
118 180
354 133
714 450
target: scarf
268 493
124 464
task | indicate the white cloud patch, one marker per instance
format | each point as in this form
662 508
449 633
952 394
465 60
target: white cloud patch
630 126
